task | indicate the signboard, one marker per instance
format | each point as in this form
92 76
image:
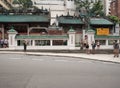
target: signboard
102 31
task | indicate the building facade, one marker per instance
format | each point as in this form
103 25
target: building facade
6 4
115 8
56 7
107 7
36 30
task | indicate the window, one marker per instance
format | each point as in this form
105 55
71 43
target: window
20 42
42 42
102 42
59 42
110 42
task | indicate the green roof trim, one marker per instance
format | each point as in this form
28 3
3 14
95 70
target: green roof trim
64 20
107 37
71 30
24 18
100 21
42 37
12 30
90 30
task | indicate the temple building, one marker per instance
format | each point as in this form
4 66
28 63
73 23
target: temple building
53 28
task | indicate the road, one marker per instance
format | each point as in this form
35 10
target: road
24 71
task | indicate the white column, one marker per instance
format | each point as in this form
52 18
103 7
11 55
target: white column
11 39
3 31
33 43
71 41
51 42
90 37
28 30
106 43
117 29
83 34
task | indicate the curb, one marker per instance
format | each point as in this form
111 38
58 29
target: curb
58 55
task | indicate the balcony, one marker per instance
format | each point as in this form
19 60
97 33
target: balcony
5 4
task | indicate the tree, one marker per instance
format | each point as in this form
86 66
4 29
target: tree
114 19
94 9
97 9
25 3
89 9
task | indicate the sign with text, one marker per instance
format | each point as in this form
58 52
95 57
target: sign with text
102 31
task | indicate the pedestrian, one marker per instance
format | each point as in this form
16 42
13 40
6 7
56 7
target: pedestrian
116 49
25 45
5 43
87 48
84 43
81 45
93 47
98 45
2 43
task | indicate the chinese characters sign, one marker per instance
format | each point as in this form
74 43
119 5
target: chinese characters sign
102 31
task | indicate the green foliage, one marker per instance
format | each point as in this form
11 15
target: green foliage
80 4
97 9
114 19
25 3
93 9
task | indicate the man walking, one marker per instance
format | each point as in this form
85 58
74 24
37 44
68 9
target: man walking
93 47
116 49
25 45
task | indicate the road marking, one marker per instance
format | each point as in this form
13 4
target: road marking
38 59
62 60
16 58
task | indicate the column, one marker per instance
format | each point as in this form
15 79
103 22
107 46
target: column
90 37
71 41
11 39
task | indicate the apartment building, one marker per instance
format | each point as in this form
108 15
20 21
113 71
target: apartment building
107 7
115 8
5 4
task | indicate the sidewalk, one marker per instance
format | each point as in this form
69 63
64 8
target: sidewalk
98 57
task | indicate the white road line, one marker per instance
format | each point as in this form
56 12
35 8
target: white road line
15 58
38 59
62 60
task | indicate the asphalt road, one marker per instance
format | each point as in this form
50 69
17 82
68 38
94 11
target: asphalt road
23 71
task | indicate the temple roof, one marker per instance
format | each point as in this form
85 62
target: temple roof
100 21
23 18
69 20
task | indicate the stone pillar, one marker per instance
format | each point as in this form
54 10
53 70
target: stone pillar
71 41
51 42
117 30
106 44
33 44
90 36
3 34
12 43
